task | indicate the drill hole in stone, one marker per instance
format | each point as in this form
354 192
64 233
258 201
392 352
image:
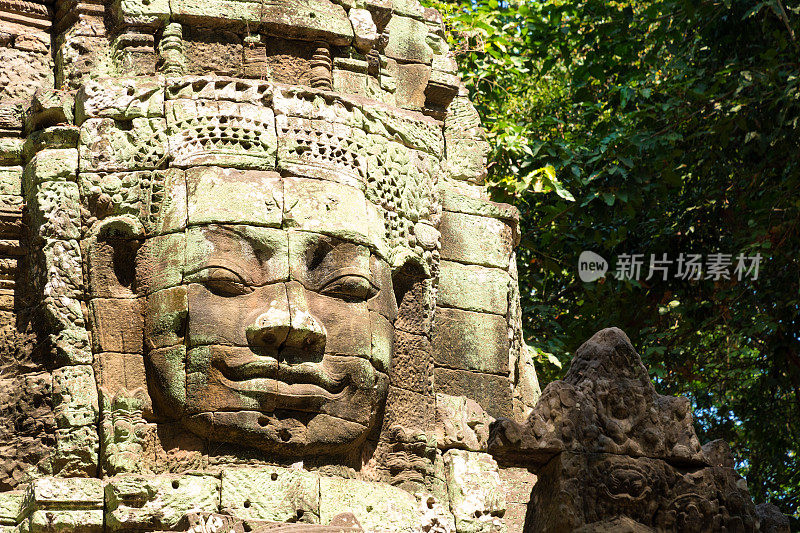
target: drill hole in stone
274 476
263 422
247 504
284 435
175 484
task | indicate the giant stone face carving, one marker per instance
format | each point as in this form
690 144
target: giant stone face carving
280 351
266 289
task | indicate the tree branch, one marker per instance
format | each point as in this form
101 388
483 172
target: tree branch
780 11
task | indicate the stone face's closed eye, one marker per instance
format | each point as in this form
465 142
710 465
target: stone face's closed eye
224 282
350 287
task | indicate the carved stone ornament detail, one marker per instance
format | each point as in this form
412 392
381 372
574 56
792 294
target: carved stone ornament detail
611 454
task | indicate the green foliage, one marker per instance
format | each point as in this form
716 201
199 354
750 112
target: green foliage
674 124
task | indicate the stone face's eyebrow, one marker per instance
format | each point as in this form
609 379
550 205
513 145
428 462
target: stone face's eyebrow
259 255
316 259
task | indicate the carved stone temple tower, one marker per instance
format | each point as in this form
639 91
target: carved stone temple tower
249 273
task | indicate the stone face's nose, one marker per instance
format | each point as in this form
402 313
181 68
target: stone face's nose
271 327
306 333
288 328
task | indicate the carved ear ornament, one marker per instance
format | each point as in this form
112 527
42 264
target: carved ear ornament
403 258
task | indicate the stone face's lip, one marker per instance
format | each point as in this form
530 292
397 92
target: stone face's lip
277 389
265 374
259 367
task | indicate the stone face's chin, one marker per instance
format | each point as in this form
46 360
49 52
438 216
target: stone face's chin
284 432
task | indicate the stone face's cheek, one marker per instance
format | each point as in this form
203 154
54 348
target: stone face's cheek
209 390
382 334
347 325
366 389
165 316
160 262
166 374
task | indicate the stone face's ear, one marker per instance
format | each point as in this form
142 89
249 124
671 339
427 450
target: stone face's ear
412 293
112 258
116 320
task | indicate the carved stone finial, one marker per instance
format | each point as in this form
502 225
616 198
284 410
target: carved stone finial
321 67
170 48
